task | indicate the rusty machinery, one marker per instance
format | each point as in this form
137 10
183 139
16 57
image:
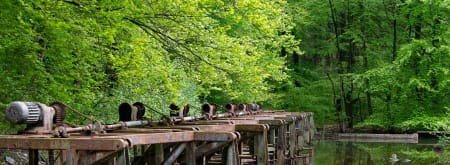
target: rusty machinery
38 117
243 134
43 119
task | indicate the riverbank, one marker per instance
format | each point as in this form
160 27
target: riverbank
363 153
331 132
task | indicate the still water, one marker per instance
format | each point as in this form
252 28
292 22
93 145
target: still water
363 153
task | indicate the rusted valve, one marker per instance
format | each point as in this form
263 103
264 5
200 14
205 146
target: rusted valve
133 112
175 111
253 107
243 107
209 110
230 108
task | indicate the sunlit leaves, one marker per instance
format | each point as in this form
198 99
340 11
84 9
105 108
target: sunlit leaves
96 54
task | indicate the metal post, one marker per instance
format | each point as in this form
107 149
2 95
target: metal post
311 126
189 153
72 158
299 127
260 145
231 155
123 157
159 153
292 140
281 145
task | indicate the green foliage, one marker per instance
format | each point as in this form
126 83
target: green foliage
315 98
359 60
426 123
376 121
94 55
386 62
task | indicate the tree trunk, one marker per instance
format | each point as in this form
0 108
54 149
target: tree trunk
365 60
394 29
340 102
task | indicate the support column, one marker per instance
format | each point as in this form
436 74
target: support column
231 154
72 157
260 145
159 153
292 141
281 144
190 153
123 157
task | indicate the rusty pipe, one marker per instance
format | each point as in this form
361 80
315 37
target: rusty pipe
97 127
231 108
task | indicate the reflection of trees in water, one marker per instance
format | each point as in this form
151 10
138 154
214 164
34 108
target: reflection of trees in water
348 157
357 153
348 154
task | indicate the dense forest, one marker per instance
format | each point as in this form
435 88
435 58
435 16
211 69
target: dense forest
379 65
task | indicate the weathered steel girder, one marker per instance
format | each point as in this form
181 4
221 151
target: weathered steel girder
256 137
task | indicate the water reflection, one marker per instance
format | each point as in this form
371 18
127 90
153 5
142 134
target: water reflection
359 153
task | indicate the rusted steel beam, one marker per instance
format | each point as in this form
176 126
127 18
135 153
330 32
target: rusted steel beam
288 119
208 122
214 136
209 148
216 128
205 128
152 138
273 122
251 127
78 143
175 154
254 117
221 132
181 127
146 131
244 122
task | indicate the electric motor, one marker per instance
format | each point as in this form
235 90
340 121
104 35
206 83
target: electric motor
20 112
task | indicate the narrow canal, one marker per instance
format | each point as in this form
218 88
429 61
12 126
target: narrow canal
426 152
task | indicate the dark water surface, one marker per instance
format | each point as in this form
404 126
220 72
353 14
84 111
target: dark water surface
363 153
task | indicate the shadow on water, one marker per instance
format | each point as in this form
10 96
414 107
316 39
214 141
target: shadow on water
359 153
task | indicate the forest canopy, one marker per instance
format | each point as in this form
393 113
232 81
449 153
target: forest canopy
96 54
359 64
381 65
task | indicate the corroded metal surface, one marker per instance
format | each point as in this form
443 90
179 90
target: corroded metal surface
240 136
46 143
